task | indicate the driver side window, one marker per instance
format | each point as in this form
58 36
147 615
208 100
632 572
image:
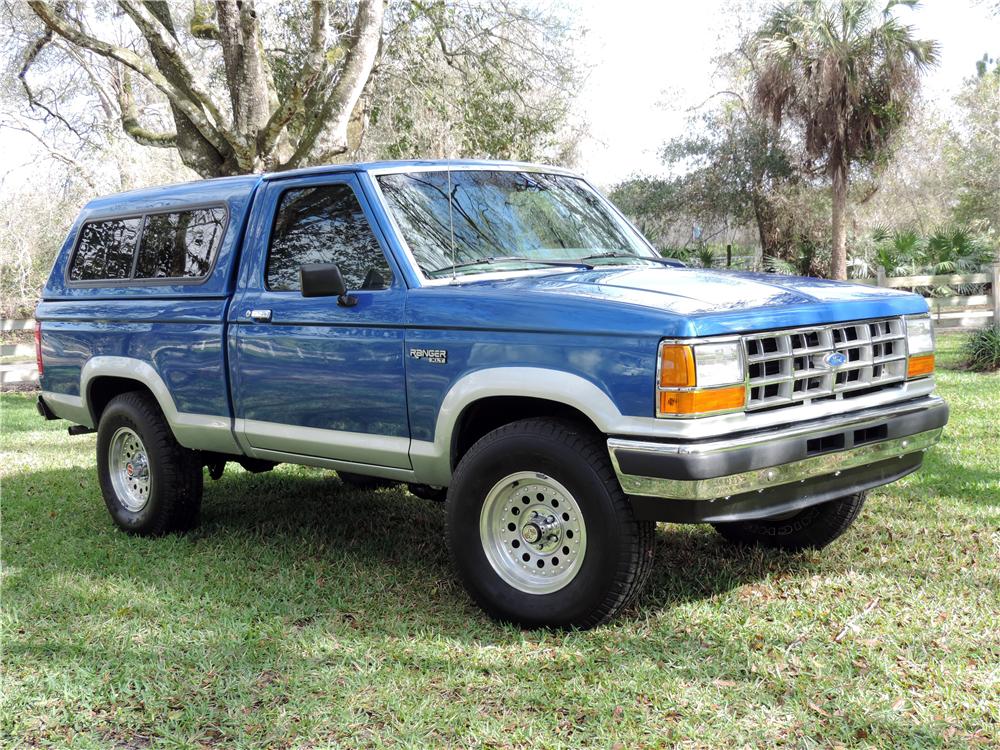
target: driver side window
324 224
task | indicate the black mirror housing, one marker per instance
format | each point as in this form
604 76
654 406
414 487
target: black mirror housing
321 280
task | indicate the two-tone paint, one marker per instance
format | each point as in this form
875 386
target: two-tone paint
335 386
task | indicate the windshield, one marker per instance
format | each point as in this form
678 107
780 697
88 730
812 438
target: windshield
505 220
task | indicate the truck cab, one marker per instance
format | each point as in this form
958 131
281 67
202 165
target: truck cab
496 335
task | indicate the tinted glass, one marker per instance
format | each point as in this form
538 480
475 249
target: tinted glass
105 250
181 244
497 214
324 224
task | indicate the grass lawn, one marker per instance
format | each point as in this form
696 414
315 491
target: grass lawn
303 614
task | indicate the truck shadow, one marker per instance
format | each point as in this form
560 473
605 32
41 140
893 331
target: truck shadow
389 532
335 548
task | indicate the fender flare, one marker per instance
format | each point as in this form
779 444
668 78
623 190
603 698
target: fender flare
432 460
196 431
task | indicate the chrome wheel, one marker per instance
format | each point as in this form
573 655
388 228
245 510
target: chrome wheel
128 466
532 532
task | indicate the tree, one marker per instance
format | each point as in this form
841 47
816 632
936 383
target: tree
975 150
446 87
735 164
296 83
846 74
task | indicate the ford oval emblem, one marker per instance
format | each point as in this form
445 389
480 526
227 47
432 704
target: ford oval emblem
833 360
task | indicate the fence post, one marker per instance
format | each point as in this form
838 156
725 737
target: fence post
880 275
995 288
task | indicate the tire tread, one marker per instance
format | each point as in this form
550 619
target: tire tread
179 468
635 566
818 526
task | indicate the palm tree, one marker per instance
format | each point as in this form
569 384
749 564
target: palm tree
847 74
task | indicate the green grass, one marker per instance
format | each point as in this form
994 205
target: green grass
303 614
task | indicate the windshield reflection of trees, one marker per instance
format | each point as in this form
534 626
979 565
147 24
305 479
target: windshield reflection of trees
501 213
324 224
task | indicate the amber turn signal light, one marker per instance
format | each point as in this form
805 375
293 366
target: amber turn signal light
696 402
920 365
676 366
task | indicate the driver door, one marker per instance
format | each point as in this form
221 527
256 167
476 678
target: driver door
311 376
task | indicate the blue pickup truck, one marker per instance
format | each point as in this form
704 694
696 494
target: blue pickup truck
495 335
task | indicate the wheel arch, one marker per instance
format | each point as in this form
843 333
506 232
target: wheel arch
102 388
486 414
548 392
105 377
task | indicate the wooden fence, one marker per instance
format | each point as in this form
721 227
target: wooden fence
952 311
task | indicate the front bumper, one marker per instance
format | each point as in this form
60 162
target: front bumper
772 472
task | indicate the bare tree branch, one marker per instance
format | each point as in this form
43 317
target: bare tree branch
105 97
312 71
130 120
163 40
174 93
30 56
55 153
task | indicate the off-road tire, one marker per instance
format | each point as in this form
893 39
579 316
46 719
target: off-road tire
811 528
619 549
176 478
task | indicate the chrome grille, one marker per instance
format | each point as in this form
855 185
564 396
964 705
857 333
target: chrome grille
792 366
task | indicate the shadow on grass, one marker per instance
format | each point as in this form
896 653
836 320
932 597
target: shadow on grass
333 549
293 577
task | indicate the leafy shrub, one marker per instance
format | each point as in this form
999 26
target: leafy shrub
906 253
982 350
951 250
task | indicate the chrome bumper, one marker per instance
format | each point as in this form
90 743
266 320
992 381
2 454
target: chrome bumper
720 469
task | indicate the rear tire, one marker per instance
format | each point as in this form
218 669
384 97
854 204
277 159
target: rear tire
545 490
151 484
810 528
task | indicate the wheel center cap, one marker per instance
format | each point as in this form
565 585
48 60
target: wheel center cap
137 468
531 533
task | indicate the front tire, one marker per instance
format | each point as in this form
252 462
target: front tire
539 529
151 484
810 528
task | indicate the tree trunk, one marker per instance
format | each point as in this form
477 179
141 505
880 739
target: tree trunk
767 226
838 253
246 75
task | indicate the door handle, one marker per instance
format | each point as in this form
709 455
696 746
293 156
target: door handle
260 316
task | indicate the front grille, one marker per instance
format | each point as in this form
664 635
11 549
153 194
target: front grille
791 366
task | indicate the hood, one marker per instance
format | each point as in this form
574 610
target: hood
710 302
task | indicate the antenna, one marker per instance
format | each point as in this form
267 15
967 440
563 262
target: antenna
451 225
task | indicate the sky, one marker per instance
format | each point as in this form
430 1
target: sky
651 62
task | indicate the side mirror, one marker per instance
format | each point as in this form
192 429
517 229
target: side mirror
324 280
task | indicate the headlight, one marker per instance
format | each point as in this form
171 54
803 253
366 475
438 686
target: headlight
919 347
696 379
718 364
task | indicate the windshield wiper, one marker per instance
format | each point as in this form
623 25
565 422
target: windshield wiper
494 259
672 262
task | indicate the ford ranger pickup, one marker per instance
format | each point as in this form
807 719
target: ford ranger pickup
495 335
